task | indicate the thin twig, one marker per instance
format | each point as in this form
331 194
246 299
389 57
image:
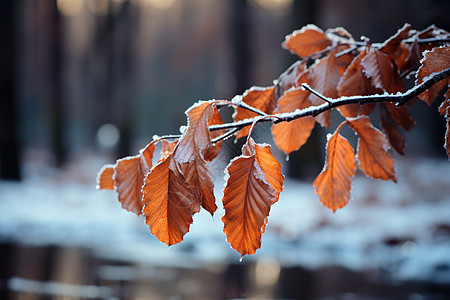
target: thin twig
307 87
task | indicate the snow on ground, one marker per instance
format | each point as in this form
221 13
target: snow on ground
403 228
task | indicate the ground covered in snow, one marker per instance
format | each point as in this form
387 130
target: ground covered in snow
403 228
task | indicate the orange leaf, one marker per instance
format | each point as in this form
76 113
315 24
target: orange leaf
290 136
294 76
129 178
168 146
214 150
268 164
373 158
354 82
435 60
189 155
334 183
380 69
167 199
263 99
306 41
247 198
105 180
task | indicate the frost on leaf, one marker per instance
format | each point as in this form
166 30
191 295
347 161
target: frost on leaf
127 177
395 137
190 152
248 195
105 178
306 41
352 83
381 70
167 200
434 61
334 183
324 77
397 51
373 158
290 136
263 99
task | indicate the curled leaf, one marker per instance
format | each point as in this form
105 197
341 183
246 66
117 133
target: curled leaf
373 158
105 178
334 182
306 41
433 61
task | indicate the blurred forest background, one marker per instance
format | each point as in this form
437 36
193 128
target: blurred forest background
70 67
85 82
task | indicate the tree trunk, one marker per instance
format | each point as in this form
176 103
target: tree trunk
9 140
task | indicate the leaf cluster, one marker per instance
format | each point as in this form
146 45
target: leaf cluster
334 71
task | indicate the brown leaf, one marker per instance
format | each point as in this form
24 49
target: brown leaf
247 198
167 199
306 41
395 137
395 49
382 72
435 60
354 82
189 155
324 77
431 32
105 178
373 158
263 99
129 178
290 136
294 76
400 115
334 182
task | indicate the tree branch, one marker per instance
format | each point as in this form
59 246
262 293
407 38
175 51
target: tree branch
399 98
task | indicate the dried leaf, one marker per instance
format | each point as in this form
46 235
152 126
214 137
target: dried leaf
167 199
400 115
294 76
168 147
214 150
290 136
433 61
189 155
105 178
382 72
354 82
395 48
247 198
306 41
373 158
324 77
129 178
334 183
395 137
263 99
268 164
